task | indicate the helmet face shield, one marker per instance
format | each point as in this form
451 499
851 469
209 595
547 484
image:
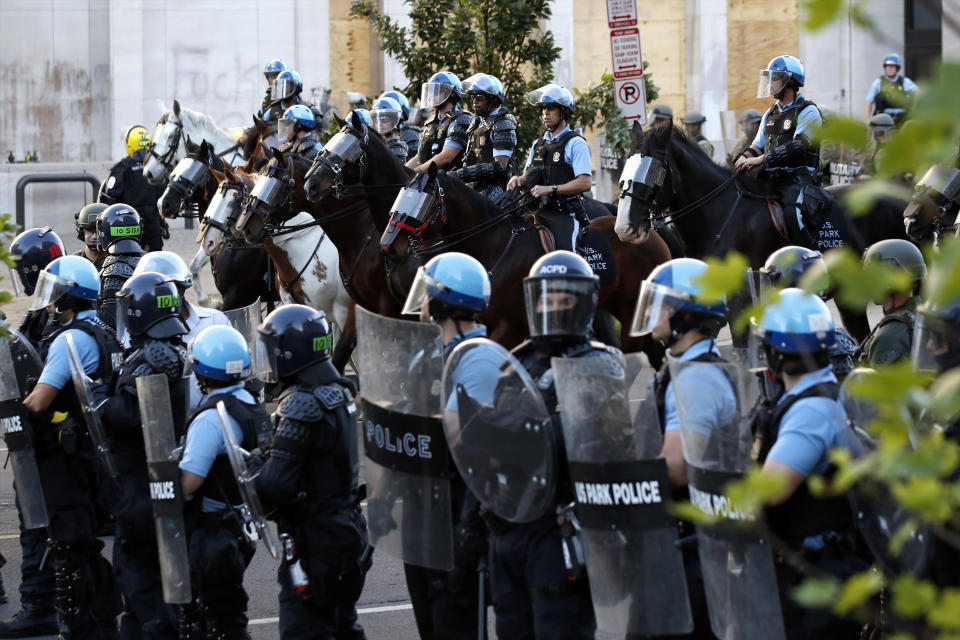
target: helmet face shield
266 359
385 120
50 288
285 129
419 295
284 88
655 305
771 83
433 94
559 307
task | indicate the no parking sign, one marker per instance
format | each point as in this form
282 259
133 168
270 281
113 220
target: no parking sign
629 89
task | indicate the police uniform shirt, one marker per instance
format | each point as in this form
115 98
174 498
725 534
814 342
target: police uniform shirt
811 428
478 371
707 398
808 119
576 152
205 440
909 86
56 370
457 133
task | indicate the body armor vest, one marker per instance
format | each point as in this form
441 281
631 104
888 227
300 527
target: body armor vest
480 143
307 147
434 134
780 128
116 270
137 192
891 95
548 159
906 316
411 137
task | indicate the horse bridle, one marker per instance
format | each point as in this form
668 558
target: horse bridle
168 159
336 163
416 222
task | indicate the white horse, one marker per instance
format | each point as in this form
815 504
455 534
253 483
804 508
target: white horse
168 143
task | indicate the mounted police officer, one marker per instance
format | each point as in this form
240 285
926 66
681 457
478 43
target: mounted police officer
310 479
892 92
118 231
492 137
891 339
450 291
126 184
31 251
749 124
796 433
86 600
558 167
287 90
149 307
295 131
444 134
270 72
386 114
85 221
218 547
693 125
661 116
409 133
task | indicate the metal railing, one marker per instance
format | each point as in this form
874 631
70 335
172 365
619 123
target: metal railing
32 178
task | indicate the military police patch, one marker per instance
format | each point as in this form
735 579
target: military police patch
556 156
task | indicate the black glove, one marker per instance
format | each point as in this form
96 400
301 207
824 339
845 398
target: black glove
164 228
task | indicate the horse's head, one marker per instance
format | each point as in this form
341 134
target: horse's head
165 146
187 180
643 183
222 212
341 162
935 203
418 205
269 201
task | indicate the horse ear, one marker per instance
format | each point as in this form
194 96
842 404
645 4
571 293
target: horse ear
636 134
176 108
203 147
278 155
340 121
229 173
220 175
356 121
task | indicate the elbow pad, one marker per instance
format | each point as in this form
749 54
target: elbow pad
487 171
789 154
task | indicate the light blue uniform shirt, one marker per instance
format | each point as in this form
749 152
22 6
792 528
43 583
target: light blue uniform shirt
811 427
705 393
478 371
908 85
576 152
442 121
205 440
808 119
56 370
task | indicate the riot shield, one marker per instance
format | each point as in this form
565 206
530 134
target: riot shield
500 435
738 566
254 521
246 320
166 488
407 464
18 361
637 579
82 385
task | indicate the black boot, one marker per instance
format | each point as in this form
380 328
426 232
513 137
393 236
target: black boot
28 622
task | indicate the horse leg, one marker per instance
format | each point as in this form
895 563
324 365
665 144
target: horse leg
348 339
855 321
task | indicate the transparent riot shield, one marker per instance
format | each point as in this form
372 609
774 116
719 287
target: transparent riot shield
409 514
255 523
82 385
637 579
18 362
738 566
166 488
500 434
246 320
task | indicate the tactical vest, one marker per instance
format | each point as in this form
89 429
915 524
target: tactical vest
411 137
137 192
479 140
220 484
399 148
548 159
891 95
434 135
781 127
308 147
905 316
802 515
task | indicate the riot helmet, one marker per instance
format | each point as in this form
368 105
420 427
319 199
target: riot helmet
32 250
483 85
271 70
553 95
136 138
288 84
386 115
900 254
892 60
794 336
169 265
297 118
786 266
560 294
119 229
936 337
442 86
148 305
219 356
86 220
401 100
881 122
71 282
693 117
291 339
673 293
451 285
363 114
750 122
661 116
781 73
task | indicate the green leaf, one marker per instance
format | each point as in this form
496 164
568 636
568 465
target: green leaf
724 276
820 13
925 496
817 593
857 590
944 396
942 284
686 511
901 536
842 130
946 613
858 284
913 597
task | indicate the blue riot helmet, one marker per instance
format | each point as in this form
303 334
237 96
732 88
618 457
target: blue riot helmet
32 250
292 339
169 265
560 294
794 335
936 337
451 285
386 114
289 83
485 85
401 100
219 356
442 86
297 118
71 282
673 293
148 305
893 59
272 69
782 72
786 266
553 94
363 114
119 229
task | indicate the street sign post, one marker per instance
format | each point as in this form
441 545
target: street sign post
629 89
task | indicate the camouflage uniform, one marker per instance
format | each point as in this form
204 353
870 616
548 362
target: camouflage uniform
892 338
740 145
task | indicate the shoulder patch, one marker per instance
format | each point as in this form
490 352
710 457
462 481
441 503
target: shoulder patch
331 396
299 405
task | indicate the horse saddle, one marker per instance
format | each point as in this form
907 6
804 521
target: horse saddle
592 245
547 241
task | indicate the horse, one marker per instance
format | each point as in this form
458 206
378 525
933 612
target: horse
713 210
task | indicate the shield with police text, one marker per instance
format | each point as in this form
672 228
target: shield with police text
407 465
499 432
166 488
637 580
20 367
246 320
84 389
738 567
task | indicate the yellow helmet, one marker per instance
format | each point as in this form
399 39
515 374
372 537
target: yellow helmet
137 138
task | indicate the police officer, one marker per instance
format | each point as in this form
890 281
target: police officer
749 124
85 221
386 114
270 72
409 133
149 306
444 134
451 290
288 87
796 433
880 126
119 229
891 339
892 92
558 167
693 125
310 479
86 599
126 184
661 116
31 251
492 137
295 132
218 548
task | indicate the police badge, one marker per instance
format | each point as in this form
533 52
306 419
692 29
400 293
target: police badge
556 156
787 123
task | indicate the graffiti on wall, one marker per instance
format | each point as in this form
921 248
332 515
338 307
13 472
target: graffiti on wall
227 87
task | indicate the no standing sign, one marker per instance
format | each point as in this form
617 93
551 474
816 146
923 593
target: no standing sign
628 85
